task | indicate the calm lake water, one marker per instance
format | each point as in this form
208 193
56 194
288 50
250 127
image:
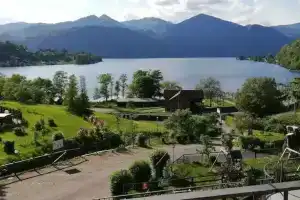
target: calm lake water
230 72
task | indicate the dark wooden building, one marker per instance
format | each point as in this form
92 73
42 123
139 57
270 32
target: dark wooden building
183 99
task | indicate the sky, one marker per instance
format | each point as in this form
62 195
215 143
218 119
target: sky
265 12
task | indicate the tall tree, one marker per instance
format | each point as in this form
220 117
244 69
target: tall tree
60 81
211 88
71 93
97 94
146 84
117 89
111 87
82 101
259 97
157 77
170 85
123 83
104 80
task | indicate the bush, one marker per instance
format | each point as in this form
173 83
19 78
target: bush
141 171
141 140
20 131
182 139
9 147
57 136
249 142
24 122
51 123
252 175
212 159
119 182
115 140
38 126
159 159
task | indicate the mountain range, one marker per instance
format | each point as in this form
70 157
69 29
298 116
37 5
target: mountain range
199 36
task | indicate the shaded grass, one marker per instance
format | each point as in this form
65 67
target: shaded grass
259 163
126 125
200 173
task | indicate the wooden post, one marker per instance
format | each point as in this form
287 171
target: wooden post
285 195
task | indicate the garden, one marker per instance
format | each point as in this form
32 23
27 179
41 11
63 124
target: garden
40 122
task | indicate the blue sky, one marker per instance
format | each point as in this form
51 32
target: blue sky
266 12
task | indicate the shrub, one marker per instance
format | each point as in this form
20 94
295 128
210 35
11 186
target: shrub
57 136
141 171
20 131
212 159
24 122
112 139
42 122
159 159
249 142
182 139
252 175
119 182
51 123
38 126
141 140
9 147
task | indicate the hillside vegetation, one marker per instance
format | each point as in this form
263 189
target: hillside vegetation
289 56
12 55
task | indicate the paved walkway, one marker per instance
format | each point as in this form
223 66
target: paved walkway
293 195
91 181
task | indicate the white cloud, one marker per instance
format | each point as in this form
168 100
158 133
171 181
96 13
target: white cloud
241 11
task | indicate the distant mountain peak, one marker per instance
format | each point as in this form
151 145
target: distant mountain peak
106 17
90 17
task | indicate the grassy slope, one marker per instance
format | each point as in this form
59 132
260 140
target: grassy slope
67 123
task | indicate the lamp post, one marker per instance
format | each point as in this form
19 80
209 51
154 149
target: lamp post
173 152
156 124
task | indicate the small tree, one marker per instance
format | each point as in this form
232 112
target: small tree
123 83
105 80
141 171
119 182
57 136
227 143
117 89
159 160
207 145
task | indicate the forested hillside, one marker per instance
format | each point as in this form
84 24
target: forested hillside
289 56
19 55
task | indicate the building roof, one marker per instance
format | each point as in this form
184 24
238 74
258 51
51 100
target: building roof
187 94
137 100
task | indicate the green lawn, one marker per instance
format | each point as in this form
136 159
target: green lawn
215 103
259 163
200 172
67 123
125 124
141 110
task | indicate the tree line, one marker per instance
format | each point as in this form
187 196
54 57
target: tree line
288 56
12 55
145 84
69 90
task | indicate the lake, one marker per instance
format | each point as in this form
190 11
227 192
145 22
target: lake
187 71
